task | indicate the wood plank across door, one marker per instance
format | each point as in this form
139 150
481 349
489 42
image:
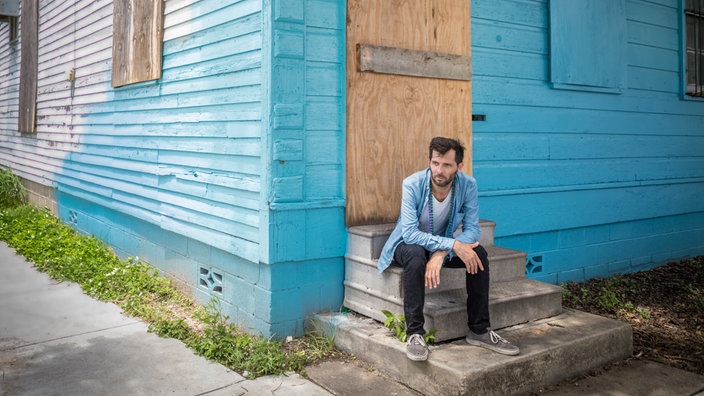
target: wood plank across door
417 87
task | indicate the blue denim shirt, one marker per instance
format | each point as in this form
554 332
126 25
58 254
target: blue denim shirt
415 195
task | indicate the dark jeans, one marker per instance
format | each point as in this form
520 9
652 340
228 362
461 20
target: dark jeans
413 259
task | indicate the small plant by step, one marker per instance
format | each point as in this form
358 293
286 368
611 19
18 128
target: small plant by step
397 325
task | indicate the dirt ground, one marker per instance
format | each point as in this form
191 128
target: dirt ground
664 306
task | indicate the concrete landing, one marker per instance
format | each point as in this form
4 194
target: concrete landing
631 377
552 350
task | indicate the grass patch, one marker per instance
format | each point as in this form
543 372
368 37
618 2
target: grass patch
12 192
64 254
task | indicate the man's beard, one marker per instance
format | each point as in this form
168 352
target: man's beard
444 182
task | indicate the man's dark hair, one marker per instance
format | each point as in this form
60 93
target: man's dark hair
442 145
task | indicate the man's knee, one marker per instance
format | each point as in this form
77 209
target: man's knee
410 255
481 252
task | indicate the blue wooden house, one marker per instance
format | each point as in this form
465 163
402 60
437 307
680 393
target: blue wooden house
232 143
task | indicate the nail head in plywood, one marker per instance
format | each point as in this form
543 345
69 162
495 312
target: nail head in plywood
389 60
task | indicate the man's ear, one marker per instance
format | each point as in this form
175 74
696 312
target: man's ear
459 166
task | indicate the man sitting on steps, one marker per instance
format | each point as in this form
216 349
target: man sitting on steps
434 202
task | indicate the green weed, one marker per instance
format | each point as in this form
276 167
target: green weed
696 295
397 325
610 295
12 192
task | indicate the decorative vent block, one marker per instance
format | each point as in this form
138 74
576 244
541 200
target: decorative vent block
210 280
73 217
534 265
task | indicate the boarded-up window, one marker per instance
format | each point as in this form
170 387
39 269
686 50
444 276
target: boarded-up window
29 33
588 45
137 41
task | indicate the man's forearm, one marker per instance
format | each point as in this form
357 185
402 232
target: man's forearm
440 253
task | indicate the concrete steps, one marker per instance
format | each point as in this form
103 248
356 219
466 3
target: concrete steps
552 350
513 298
555 344
510 302
367 241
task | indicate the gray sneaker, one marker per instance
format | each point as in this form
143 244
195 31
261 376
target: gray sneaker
492 341
416 349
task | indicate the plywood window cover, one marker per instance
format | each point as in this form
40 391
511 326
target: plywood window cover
401 61
137 41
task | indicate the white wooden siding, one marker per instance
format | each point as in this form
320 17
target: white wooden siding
182 152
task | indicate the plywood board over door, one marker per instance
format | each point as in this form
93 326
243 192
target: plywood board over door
392 115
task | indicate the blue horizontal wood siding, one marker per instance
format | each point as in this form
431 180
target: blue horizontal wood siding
306 202
589 184
227 172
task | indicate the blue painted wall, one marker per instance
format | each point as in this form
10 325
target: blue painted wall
591 161
305 203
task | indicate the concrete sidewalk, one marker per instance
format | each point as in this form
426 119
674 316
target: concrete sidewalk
55 340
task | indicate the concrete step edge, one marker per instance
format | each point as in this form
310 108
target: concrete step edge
501 291
496 253
372 231
500 252
371 238
362 288
363 270
375 230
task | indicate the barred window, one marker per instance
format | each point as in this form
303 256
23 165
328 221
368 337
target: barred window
694 15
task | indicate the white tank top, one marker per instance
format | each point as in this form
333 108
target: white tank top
441 215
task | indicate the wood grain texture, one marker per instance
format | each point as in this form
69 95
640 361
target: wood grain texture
390 118
389 60
137 41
